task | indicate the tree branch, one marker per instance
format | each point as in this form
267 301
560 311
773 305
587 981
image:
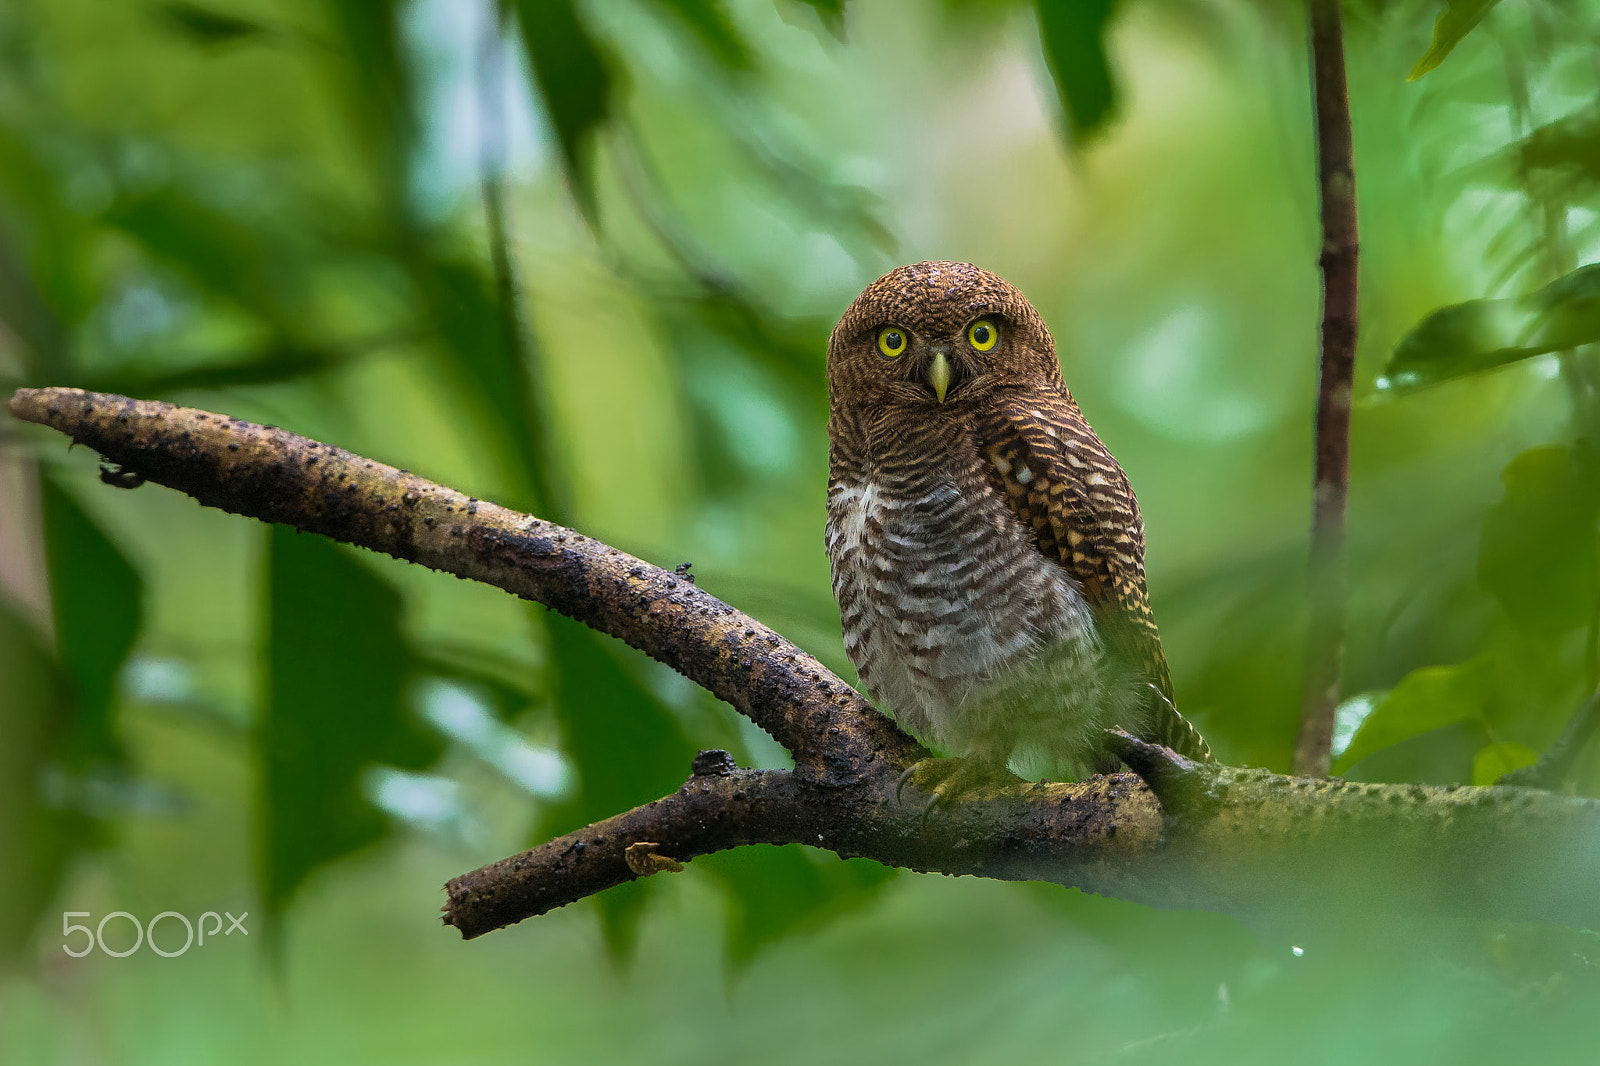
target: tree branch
267 473
1233 840
1331 484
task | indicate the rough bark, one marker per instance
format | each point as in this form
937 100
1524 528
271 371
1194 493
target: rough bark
1176 834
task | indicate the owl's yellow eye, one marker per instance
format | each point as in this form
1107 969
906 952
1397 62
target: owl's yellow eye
982 334
892 342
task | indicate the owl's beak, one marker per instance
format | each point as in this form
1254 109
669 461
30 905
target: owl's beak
939 375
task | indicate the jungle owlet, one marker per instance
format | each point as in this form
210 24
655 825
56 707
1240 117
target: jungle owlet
987 550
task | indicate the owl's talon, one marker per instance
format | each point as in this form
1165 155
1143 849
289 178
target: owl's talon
948 781
910 771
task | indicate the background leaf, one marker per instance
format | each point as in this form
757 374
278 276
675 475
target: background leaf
708 20
1073 33
1537 556
1480 335
575 84
783 891
96 597
207 26
36 838
1449 27
628 749
1572 142
1494 761
1426 699
338 667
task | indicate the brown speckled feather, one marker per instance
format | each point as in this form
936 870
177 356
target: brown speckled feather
1063 483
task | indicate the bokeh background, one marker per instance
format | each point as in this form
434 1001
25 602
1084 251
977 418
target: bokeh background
582 259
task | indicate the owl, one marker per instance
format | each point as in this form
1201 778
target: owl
987 550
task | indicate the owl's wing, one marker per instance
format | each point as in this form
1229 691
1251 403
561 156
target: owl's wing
1065 486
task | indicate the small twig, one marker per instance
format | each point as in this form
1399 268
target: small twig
1555 766
1331 486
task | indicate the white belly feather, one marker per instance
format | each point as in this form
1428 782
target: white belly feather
976 641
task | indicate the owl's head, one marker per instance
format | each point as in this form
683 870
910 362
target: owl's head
938 336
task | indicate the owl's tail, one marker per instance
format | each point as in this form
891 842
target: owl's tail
1167 726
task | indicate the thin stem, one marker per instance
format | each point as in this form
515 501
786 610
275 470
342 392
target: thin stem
1556 765
1331 486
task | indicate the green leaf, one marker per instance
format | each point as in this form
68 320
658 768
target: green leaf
1424 700
1537 555
831 12
280 363
97 598
217 251
1073 33
377 93
487 366
1570 145
1452 24
778 891
709 22
1573 141
205 26
1479 335
625 745
36 838
337 671
723 314
1494 761
45 248
55 709
576 83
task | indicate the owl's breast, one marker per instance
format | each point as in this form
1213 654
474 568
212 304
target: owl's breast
948 605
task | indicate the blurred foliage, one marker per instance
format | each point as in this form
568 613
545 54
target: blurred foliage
1452 24
600 702
1074 40
1484 334
583 259
338 667
37 837
95 599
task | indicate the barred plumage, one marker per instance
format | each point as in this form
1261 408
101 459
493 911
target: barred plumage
987 550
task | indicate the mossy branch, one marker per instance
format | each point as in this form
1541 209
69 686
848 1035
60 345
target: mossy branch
1240 841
